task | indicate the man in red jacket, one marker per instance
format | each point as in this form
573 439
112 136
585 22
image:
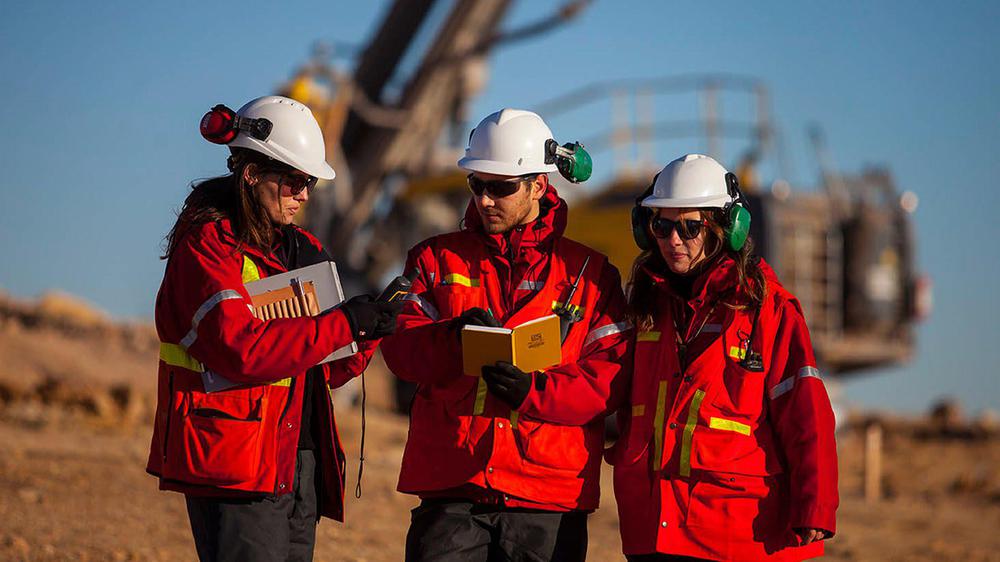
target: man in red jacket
508 462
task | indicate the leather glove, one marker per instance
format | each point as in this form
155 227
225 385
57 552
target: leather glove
508 383
369 319
473 317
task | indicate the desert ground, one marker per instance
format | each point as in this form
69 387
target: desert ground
76 400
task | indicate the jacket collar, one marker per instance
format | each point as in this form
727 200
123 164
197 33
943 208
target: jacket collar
540 233
226 234
718 280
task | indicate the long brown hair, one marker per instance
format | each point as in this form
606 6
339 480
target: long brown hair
751 285
227 197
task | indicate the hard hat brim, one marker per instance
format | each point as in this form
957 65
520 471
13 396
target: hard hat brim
320 169
708 201
503 168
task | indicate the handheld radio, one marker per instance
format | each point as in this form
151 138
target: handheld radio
399 287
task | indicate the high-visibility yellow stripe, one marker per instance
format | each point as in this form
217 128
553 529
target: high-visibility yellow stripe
692 421
250 271
638 410
173 354
661 402
729 425
648 336
737 352
480 406
513 419
459 279
574 308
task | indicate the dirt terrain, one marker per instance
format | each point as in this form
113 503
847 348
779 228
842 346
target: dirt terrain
76 402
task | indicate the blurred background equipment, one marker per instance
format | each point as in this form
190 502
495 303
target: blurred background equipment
396 124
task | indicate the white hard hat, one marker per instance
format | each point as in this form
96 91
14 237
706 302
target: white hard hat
295 137
693 180
510 142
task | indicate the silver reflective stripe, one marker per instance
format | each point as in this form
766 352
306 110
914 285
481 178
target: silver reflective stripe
424 305
809 372
605 331
789 383
433 275
530 285
711 329
782 387
204 309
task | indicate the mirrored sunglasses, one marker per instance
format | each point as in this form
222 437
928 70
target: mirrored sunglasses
295 182
687 229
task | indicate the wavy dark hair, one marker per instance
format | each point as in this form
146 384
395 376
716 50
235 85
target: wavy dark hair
751 285
227 197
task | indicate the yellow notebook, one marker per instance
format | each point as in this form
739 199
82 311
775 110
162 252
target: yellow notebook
530 346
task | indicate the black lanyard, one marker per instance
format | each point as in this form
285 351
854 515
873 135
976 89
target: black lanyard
682 344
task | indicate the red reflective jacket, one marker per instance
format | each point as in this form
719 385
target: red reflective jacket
243 440
549 450
716 461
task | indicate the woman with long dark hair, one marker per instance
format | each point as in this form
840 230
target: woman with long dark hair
727 447
244 423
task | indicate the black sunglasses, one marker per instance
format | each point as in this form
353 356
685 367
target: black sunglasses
497 189
294 182
686 229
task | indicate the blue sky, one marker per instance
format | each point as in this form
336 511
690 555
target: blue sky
101 101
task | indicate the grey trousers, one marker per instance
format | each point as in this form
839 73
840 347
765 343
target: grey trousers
267 529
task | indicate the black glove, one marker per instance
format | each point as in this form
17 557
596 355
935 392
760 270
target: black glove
507 383
371 320
473 317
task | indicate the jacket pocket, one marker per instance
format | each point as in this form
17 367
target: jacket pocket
452 300
744 508
721 497
560 447
222 438
741 392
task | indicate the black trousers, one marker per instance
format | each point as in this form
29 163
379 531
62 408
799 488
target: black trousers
267 529
446 530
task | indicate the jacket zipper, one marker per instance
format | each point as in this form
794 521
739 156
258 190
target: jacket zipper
281 420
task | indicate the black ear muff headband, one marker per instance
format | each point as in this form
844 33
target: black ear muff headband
221 125
640 220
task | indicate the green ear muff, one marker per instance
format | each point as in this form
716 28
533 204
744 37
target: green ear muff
737 215
739 227
640 220
571 159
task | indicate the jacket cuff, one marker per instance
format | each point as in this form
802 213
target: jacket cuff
815 516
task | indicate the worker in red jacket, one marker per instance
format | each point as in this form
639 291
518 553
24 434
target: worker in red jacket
244 423
727 447
507 464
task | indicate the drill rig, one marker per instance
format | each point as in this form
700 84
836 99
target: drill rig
396 125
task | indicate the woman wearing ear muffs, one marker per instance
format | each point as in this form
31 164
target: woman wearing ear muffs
244 423
727 447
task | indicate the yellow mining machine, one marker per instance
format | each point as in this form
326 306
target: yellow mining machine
396 124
